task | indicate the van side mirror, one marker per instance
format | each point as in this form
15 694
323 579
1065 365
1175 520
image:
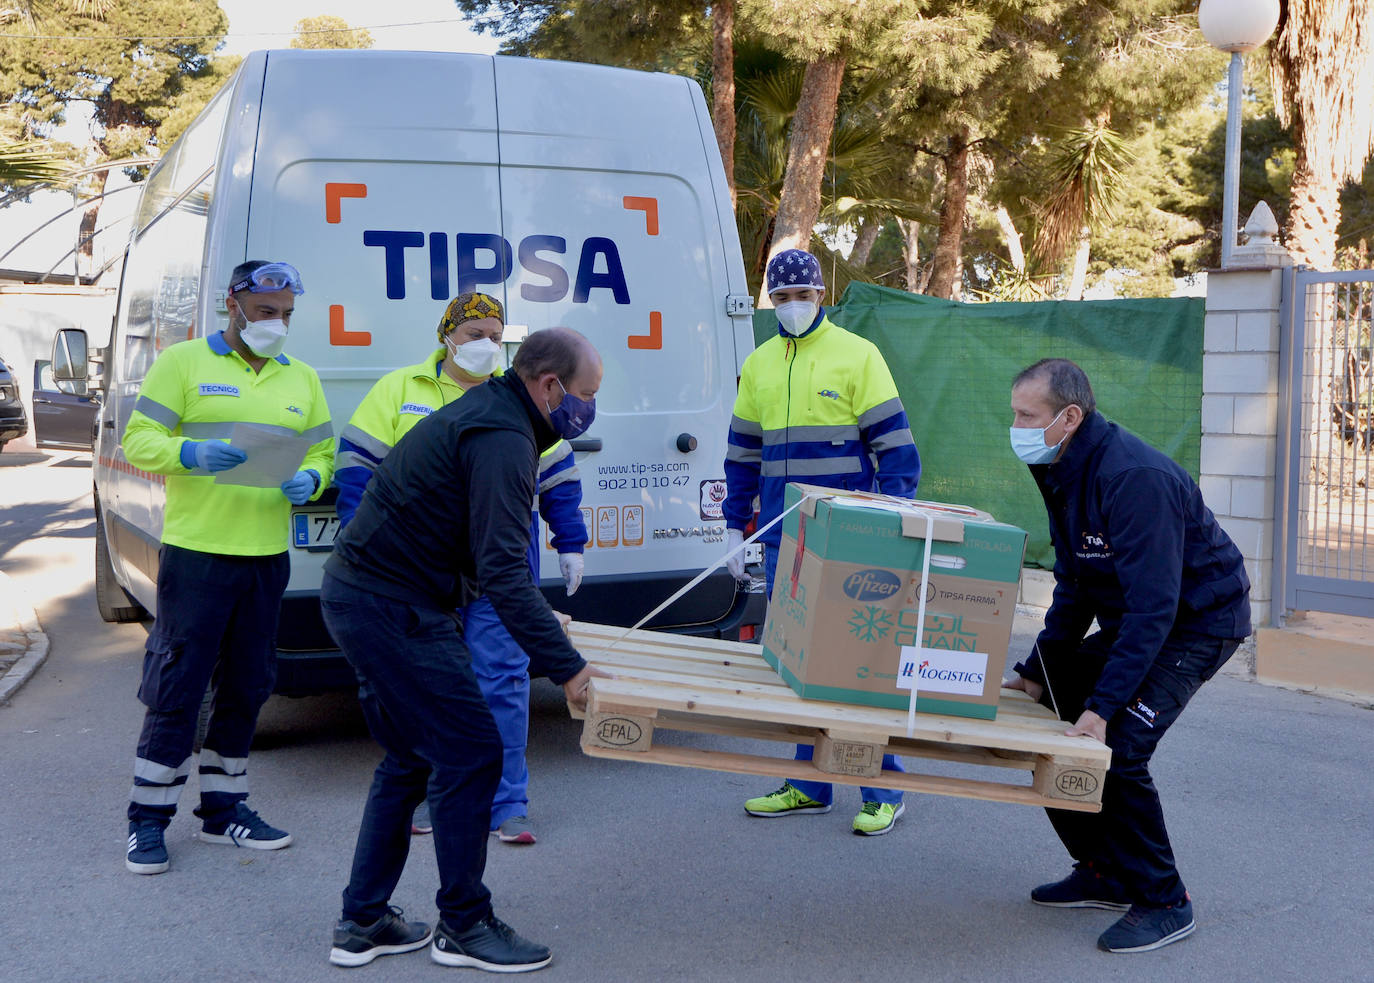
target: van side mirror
70 358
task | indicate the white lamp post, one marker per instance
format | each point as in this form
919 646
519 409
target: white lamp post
1237 26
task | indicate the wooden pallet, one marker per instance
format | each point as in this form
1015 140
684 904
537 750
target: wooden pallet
673 682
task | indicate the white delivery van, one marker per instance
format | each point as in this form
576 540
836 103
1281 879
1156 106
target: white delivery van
580 195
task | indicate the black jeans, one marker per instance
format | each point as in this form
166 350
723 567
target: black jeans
423 706
1127 841
216 617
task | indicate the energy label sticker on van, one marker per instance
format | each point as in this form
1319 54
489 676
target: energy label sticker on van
607 525
632 524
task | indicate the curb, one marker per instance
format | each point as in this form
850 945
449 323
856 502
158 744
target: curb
19 626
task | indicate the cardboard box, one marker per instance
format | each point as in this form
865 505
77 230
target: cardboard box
846 605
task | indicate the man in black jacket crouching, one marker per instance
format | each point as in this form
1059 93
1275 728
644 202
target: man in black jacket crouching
1137 549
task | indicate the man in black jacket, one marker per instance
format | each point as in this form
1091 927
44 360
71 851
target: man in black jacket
445 518
1135 548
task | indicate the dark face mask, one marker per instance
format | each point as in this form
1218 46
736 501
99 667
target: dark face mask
573 416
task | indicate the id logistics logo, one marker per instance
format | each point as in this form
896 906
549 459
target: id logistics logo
929 673
872 585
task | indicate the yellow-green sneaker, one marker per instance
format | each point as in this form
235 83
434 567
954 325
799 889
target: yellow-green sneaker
786 801
877 818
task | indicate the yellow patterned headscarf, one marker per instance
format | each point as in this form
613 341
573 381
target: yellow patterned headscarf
469 307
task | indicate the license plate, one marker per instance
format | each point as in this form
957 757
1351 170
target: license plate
314 531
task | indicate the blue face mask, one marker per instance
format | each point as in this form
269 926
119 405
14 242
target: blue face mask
573 416
1028 443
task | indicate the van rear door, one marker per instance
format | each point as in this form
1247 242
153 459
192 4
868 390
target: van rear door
372 175
608 205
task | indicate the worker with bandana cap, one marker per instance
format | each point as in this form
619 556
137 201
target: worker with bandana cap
223 565
470 331
817 405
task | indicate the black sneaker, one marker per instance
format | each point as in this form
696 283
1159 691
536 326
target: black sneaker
246 829
1083 888
491 944
1142 929
355 945
147 852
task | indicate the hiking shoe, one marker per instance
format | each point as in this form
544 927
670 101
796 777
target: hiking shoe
1142 929
491 944
1083 888
516 829
246 829
147 852
877 818
786 801
355 945
420 823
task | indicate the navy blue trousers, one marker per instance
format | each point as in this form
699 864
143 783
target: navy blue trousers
424 707
1127 841
216 618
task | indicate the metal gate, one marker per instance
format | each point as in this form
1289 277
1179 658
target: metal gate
1324 537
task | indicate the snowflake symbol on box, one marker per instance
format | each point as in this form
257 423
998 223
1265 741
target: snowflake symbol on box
870 623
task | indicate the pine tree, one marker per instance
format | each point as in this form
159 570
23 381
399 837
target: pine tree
145 66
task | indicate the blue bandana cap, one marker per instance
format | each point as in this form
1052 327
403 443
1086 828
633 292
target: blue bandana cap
794 268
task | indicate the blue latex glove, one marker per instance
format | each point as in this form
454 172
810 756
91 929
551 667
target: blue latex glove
299 489
210 455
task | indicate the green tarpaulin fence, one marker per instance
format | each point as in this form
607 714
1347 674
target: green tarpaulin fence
953 364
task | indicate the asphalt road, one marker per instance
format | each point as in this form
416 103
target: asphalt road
642 872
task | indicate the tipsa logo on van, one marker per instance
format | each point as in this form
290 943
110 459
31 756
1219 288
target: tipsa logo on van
487 258
872 585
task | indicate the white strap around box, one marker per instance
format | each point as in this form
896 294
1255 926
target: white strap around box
707 572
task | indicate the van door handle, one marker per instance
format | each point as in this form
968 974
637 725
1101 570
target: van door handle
586 444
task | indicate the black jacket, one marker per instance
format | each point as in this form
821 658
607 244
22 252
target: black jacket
1136 548
446 518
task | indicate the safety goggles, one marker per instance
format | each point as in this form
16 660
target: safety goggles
273 276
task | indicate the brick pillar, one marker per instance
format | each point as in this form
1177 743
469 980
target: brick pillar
1240 386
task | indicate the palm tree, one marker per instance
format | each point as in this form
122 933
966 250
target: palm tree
24 163
1322 62
1086 172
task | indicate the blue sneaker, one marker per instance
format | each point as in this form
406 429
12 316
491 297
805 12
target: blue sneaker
1083 888
147 852
1142 929
246 829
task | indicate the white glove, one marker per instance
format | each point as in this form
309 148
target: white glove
570 566
736 562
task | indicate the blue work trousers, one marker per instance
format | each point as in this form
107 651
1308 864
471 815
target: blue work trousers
502 670
824 792
423 706
216 619
1127 841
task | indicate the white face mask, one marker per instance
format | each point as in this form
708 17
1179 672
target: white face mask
477 358
265 338
796 316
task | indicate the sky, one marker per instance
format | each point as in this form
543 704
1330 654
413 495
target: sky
413 25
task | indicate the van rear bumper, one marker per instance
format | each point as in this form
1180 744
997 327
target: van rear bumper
308 661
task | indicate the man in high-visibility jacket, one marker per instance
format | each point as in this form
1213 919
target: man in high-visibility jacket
223 564
818 405
470 332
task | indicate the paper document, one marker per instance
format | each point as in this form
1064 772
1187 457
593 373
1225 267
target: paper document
273 456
